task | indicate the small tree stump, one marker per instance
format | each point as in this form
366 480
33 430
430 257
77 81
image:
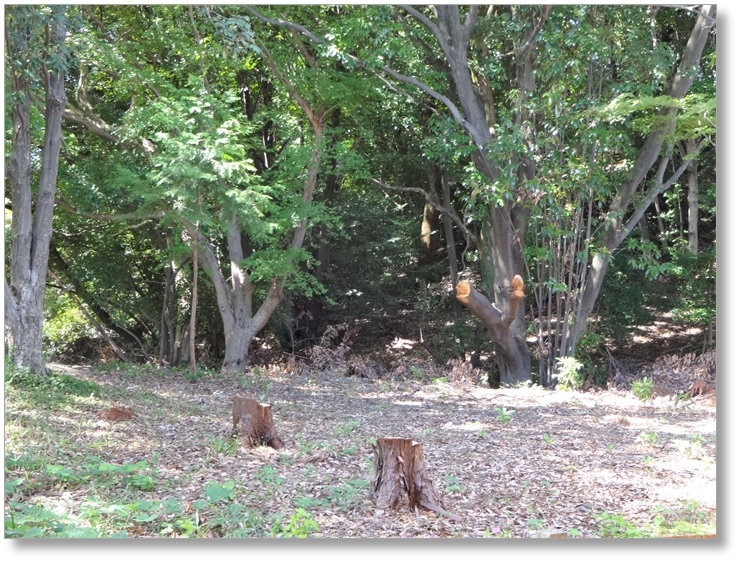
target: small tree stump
253 423
399 477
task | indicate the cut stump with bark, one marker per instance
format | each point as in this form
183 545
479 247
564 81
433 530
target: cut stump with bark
400 478
253 423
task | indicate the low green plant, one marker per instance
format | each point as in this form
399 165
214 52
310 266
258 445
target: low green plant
503 415
643 389
453 484
309 502
692 448
215 491
300 525
268 476
346 429
649 438
569 373
35 521
225 446
616 526
54 382
684 399
349 493
687 520
547 438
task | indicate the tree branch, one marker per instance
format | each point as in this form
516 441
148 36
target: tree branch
537 28
429 24
432 200
363 64
648 199
469 23
687 8
284 23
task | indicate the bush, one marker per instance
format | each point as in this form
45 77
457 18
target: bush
569 373
643 389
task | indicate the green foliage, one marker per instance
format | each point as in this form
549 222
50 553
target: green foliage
300 525
616 526
32 521
453 484
695 280
216 492
64 322
688 520
54 383
346 429
349 493
643 389
503 415
569 373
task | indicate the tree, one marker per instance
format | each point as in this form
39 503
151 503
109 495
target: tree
617 226
35 42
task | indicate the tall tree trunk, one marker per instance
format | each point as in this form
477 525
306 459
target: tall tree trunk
617 229
194 301
430 241
31 226
693 198
450 239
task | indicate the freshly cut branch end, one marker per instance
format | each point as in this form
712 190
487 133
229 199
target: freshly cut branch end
462 290
516 288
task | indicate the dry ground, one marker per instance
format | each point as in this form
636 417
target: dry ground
561 459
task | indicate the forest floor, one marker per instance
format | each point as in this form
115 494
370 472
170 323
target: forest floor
513 462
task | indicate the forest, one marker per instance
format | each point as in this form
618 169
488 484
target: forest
360 271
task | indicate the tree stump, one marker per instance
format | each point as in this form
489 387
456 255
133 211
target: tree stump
400 478
253 423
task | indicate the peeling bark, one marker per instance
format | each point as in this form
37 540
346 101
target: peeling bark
400 478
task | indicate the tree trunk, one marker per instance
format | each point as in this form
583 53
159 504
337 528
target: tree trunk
511 348
400 479
254 424
450 239
430 242
31 226
693 199
166 332
194 302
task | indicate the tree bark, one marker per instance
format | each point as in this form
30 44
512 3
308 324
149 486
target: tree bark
511 348
400 479
31 226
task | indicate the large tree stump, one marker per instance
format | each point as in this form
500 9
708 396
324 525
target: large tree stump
400 478
253 423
